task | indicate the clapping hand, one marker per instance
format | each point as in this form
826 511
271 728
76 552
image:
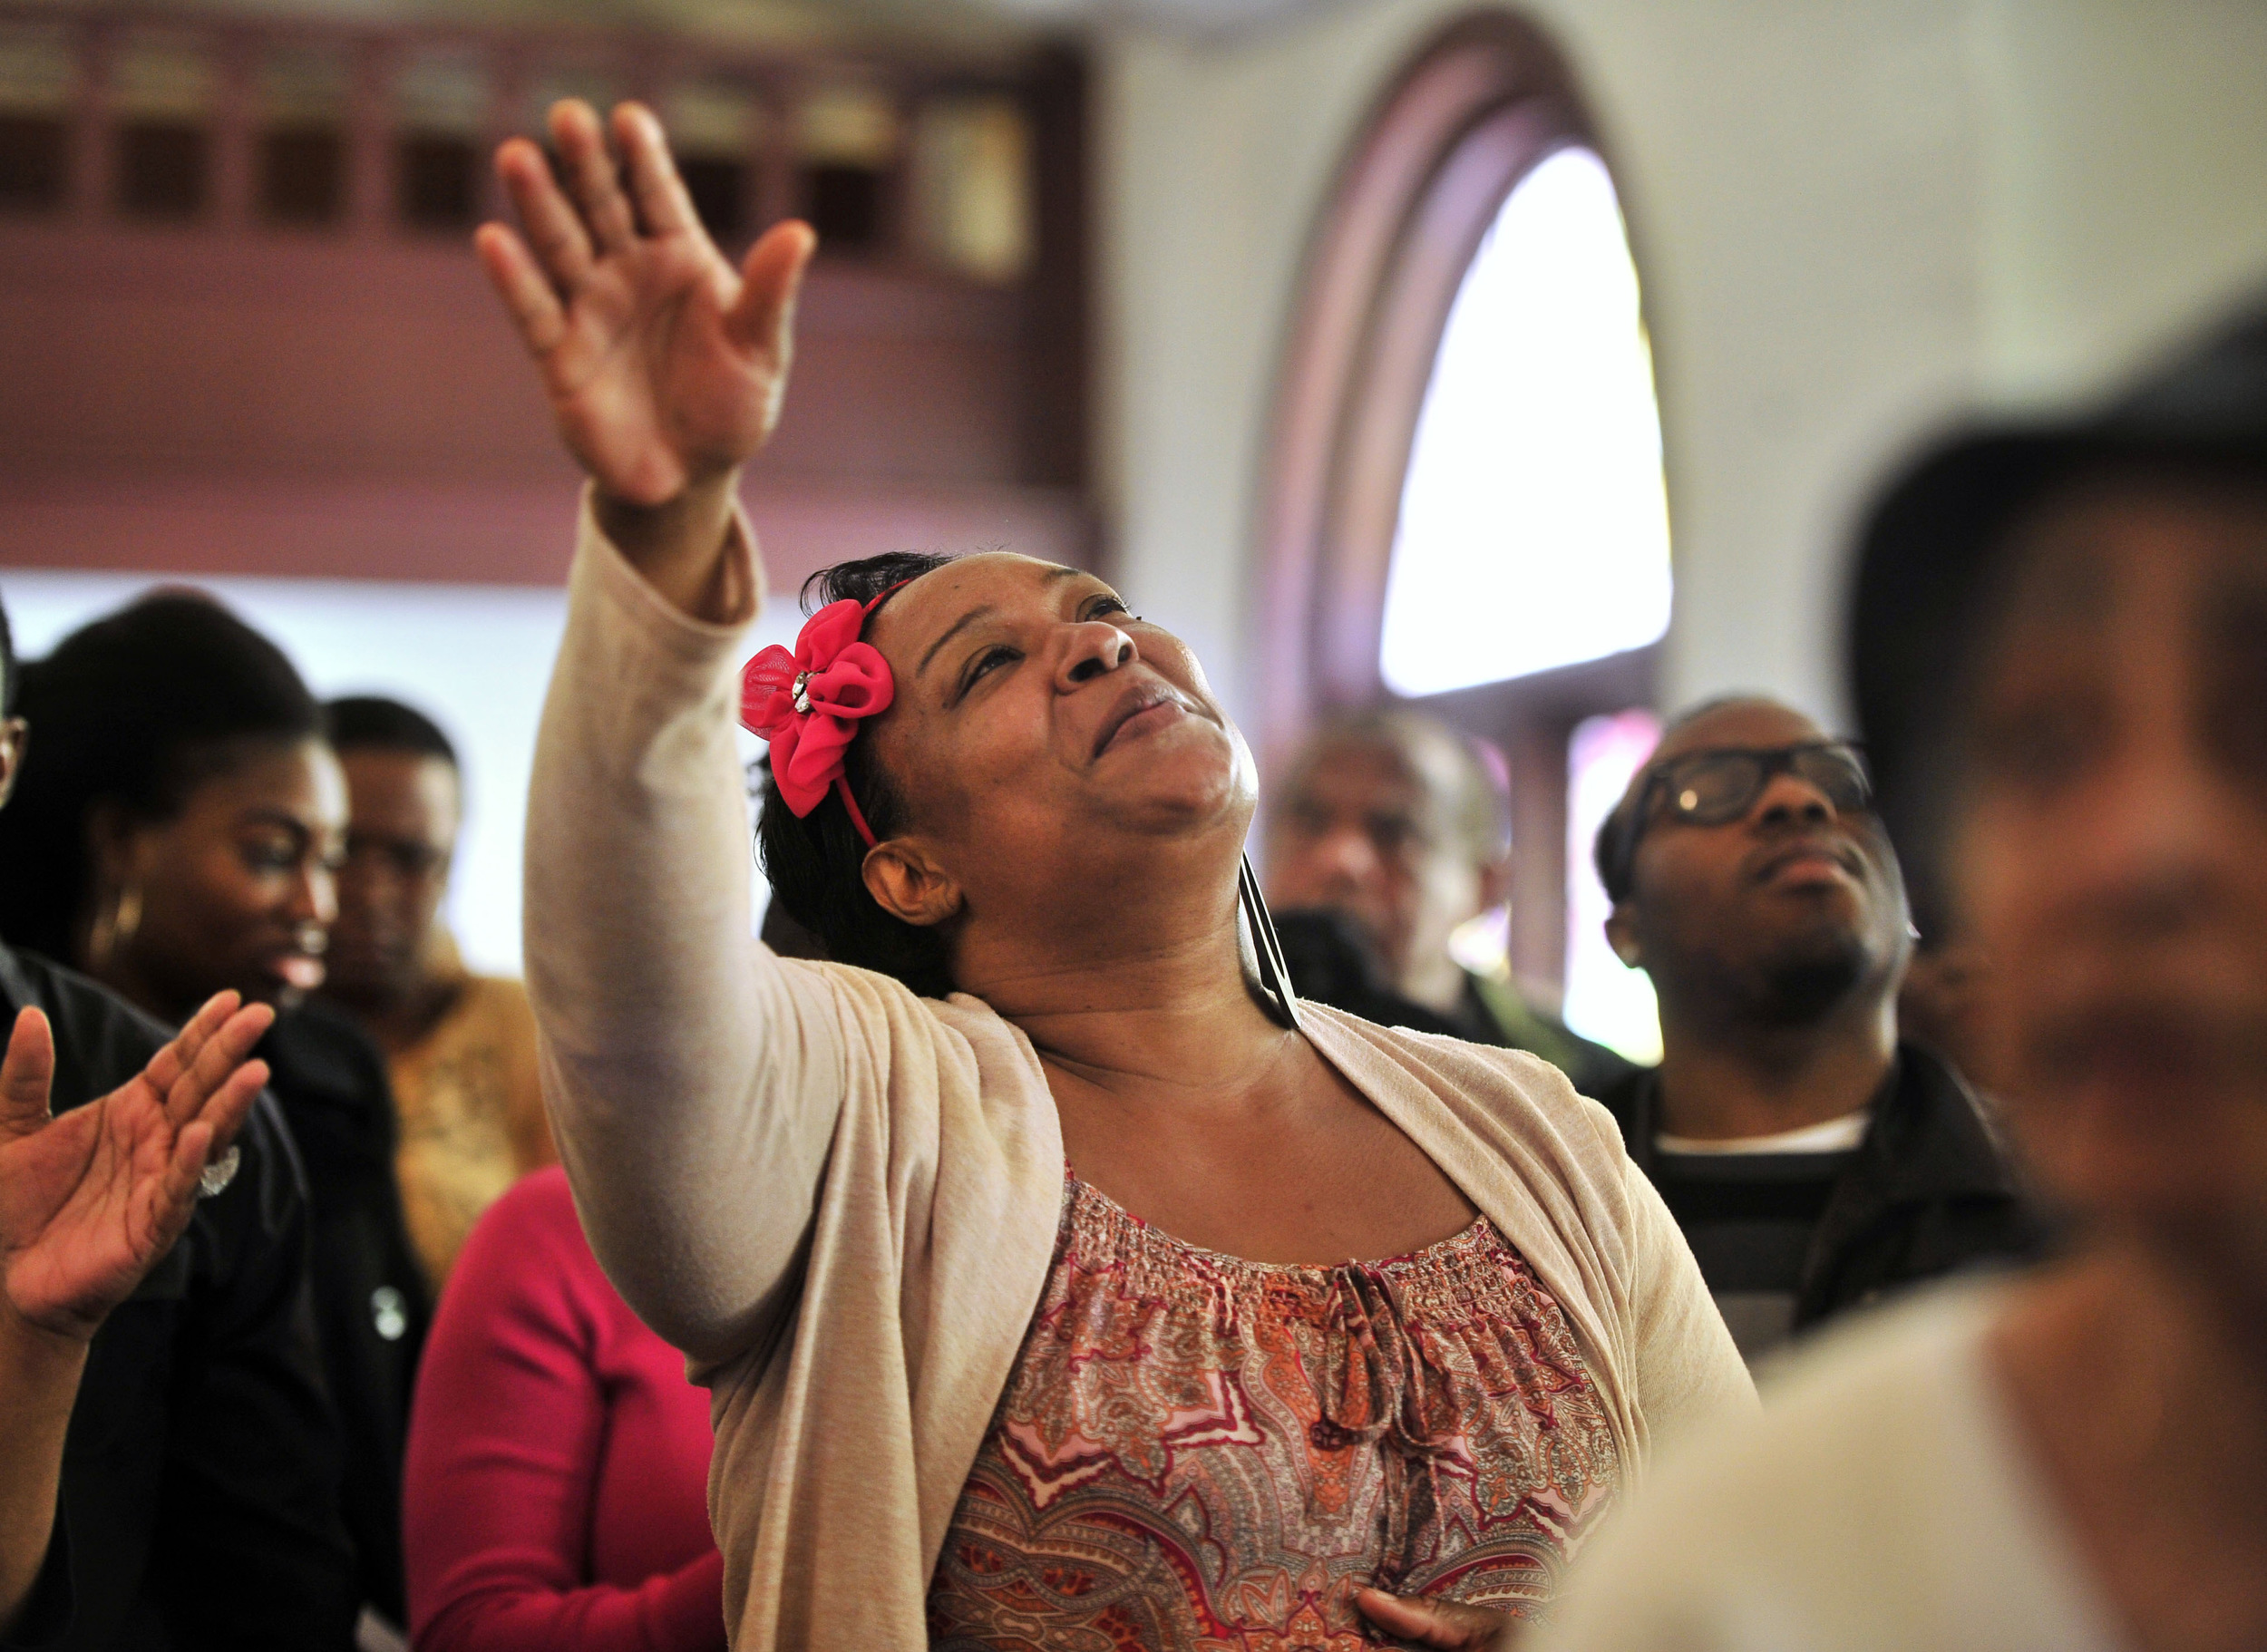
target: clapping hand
665 365
90 1200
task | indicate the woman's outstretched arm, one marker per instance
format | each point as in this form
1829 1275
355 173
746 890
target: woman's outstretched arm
691 1115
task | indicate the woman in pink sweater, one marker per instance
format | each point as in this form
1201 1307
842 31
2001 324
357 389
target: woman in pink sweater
556 1492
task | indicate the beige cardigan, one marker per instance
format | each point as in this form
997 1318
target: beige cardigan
840 1199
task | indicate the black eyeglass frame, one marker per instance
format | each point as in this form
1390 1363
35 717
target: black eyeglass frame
1772 761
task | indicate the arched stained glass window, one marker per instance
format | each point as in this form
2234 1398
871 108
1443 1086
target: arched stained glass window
1463 504
1533 527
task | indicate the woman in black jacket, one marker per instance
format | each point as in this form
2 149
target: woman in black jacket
186 813
196 1499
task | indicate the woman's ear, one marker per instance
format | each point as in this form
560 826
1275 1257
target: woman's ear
1621 935
113 849
907 883
15 737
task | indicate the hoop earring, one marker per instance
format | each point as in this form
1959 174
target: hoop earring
115 927
1275 978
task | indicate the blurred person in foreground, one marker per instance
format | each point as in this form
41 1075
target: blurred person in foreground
163 1423
1388 832
557 1492
1039 1228
2059 659
1815 1161
460 1048
187 814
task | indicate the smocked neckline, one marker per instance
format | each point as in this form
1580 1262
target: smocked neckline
1469 1237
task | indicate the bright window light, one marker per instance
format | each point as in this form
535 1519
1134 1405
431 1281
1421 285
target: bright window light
1605 999
1534 525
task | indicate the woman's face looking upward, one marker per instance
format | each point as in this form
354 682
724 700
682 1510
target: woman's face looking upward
1045 745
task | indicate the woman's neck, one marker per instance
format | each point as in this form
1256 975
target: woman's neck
1180 1097
1184 1020
1141 992
119 973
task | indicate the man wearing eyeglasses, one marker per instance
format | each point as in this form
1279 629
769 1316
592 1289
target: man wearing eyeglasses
1813 1160
460 1047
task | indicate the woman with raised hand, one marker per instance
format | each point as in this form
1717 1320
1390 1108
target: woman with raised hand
1014 1242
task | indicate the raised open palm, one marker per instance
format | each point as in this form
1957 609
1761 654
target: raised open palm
90 1200
665 365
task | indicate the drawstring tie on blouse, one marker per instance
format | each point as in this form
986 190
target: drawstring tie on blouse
1384 1397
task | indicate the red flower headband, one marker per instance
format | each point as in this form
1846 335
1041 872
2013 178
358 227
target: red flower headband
808 704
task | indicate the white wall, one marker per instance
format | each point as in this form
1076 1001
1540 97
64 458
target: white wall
2127 181
1849 220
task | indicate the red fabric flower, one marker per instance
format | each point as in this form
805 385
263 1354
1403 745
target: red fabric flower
807 703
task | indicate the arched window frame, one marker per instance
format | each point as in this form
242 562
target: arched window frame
1470 115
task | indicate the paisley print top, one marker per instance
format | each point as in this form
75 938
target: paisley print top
1198 1452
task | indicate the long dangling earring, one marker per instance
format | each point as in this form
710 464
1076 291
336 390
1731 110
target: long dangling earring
1275 978
115 927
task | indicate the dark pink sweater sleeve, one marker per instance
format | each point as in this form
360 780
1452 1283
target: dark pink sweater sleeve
506 1442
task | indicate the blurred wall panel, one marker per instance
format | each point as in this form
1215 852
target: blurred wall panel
251 391
137 350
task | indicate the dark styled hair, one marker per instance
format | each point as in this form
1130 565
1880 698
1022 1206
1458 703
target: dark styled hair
814 862
371 722
136 709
